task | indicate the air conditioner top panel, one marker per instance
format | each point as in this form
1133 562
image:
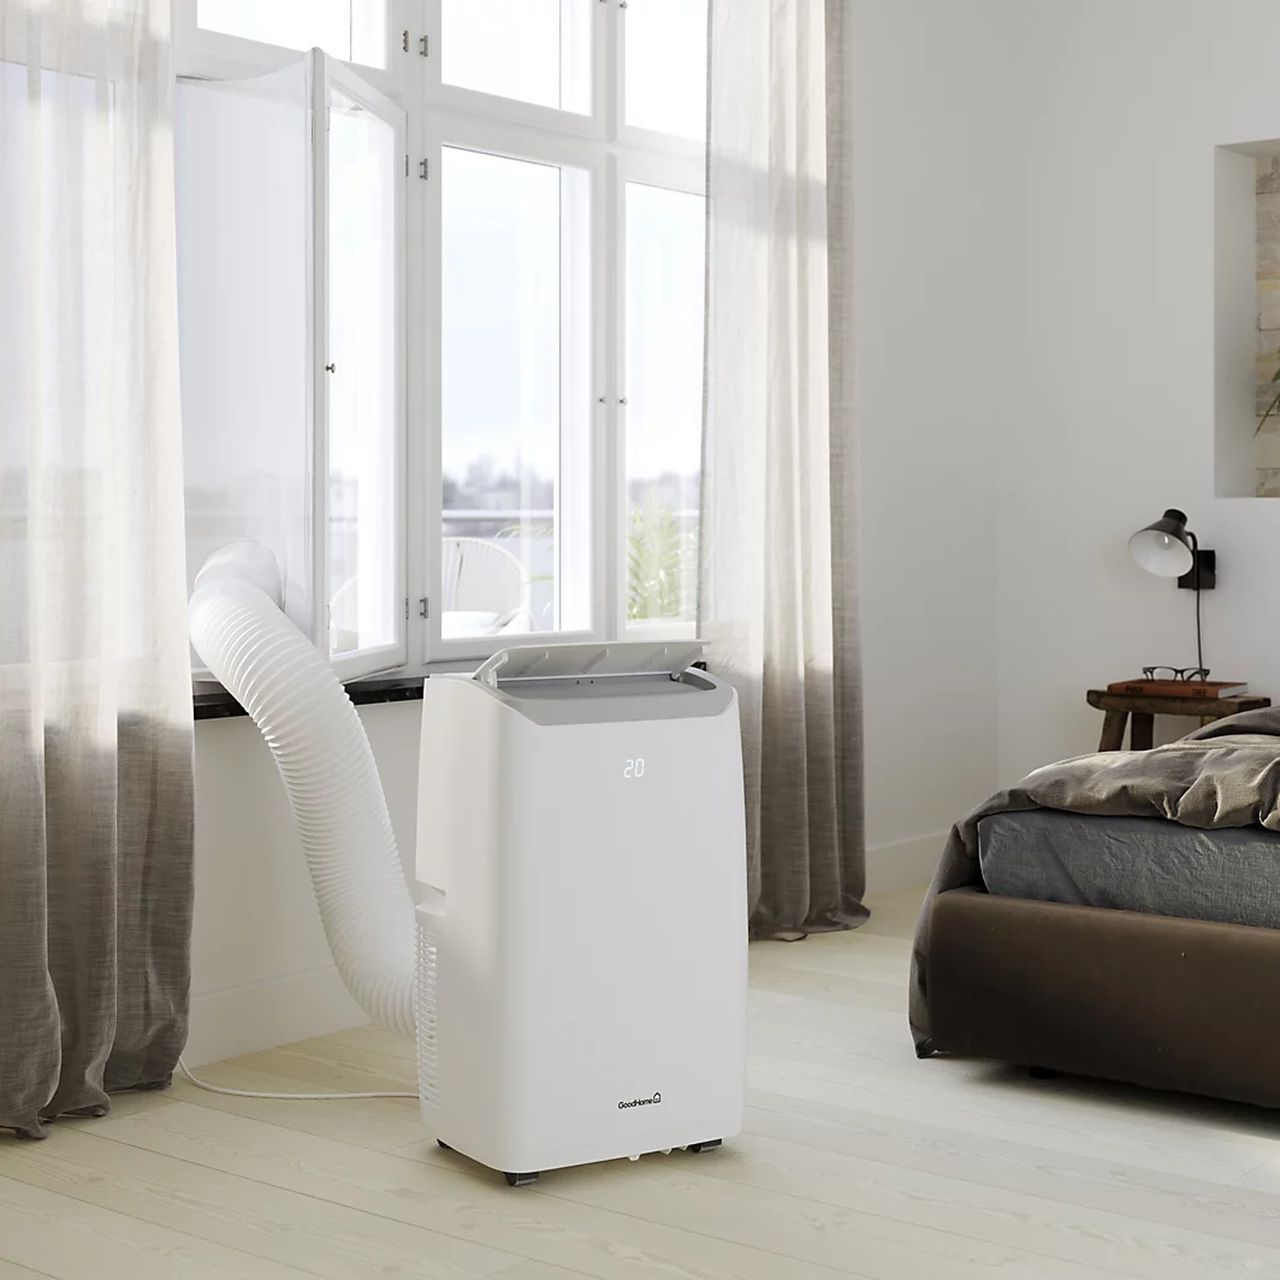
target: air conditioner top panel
618 660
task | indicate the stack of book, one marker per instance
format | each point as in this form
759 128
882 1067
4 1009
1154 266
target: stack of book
1180 688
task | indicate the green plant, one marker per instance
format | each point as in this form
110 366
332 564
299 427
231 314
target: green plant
656 549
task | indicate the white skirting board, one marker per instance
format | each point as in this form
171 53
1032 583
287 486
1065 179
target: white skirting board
225 1024
903 863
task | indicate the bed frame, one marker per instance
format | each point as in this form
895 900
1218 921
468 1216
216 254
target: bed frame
1152 1000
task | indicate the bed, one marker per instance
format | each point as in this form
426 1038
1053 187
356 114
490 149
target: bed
1118 916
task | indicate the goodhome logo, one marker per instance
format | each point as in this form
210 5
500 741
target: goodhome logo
641 1102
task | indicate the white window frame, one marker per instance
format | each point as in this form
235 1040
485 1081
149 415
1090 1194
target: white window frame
362 661
614 154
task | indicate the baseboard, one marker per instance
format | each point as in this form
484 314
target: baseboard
225 1024
903 863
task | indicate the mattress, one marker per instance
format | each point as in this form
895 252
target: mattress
1230 875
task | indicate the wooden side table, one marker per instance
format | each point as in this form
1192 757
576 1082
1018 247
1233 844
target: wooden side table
1119 707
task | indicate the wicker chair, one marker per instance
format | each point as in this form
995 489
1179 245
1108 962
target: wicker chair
481 578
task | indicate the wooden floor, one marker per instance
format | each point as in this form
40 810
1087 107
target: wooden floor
857 1160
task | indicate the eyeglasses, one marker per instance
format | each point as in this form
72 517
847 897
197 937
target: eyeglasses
1176 673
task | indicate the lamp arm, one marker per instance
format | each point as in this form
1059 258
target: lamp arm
1195 569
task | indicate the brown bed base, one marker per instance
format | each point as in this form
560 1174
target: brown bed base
1152 1000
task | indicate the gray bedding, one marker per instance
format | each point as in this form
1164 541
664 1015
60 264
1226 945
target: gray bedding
1225 775
1231 875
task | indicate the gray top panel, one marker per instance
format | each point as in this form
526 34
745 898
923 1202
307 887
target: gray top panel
598 660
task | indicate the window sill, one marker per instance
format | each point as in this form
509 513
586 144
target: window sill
210 701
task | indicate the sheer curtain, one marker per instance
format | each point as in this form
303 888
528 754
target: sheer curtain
777 569
95 701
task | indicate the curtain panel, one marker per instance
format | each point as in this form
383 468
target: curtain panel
95 697
777 571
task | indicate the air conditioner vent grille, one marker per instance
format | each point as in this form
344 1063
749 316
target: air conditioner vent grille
425 1015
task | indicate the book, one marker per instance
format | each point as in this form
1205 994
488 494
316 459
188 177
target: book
1180 688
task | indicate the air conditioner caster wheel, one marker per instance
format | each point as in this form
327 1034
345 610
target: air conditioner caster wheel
696 1147
520 1179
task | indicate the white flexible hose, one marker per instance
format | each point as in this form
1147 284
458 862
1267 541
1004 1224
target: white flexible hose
320 748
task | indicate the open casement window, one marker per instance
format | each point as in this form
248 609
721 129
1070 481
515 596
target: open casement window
553 174
291 320
222 38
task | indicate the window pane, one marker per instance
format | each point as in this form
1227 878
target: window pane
362 404
666 66
664 338
536 51
244 321
353 30
513 346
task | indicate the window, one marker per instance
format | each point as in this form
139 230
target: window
289 199
353 30
535 51
666 67
514 396
663 360
523 457
362 305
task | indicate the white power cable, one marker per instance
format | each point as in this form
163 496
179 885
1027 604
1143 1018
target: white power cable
298 1097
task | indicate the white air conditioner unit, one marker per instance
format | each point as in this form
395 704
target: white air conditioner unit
581 988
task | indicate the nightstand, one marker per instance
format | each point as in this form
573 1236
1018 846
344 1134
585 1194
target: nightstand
1119 707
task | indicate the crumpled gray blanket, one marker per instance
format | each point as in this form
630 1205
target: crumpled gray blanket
1226 774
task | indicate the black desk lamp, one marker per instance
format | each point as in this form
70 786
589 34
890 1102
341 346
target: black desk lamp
1169 549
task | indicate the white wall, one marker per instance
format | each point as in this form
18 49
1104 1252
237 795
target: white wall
261 970
939 214
1126 102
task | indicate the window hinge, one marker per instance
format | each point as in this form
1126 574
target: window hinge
406 166
424 169
424 607
424 47
404 40
406 608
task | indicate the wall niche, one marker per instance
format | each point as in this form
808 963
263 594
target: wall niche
1247 320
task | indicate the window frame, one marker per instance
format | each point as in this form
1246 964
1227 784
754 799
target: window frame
668 173
613 153
391 656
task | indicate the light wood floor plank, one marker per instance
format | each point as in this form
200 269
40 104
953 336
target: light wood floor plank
952 1110
466 1205
70 1240
857 1160
379 1124
12 1271
374 1040
670 1191
1164 1128
1102 1240
527 1270
322 1238
994 1162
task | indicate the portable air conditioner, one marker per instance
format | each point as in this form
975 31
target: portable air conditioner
581 907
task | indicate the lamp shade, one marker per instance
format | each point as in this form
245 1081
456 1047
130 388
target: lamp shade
1164 547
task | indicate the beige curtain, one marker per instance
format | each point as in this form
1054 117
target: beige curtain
777 568
95 696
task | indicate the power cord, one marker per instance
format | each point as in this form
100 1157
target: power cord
297 1097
